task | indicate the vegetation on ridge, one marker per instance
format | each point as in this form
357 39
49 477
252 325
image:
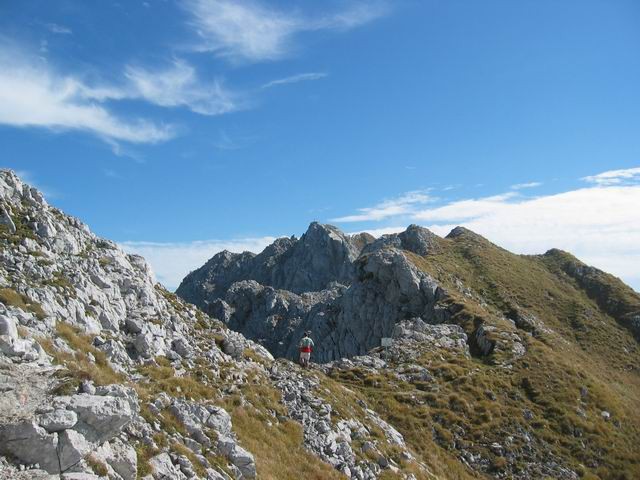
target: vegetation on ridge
578 363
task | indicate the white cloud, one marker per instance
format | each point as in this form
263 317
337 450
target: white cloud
252 31
171 262
302 77
58 29
179 86
520 186
402 205
465 209
615 177
36 96
600 225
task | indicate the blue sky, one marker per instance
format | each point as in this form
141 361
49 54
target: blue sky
180 128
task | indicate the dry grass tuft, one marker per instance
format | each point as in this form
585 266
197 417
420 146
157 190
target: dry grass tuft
11 298
79 365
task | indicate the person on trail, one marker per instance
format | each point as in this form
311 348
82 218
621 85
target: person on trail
306 347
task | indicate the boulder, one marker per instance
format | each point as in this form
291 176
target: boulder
237 455
8 327
120 456
182 347
163 468
72 447
30 444
100 418
58 420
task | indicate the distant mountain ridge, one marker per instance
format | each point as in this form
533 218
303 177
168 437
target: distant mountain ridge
352 291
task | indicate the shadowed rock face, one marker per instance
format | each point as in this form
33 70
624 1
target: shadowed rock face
350 291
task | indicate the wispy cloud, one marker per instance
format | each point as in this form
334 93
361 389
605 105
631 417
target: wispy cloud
252 31
520 186
464 209
171 262
403 205
58 29
34 95
302 77
615 177
179 86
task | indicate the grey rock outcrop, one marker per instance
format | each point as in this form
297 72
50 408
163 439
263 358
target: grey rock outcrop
349 298
322 255
414 239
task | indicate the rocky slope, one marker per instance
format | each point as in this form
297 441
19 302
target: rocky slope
518 366
105 374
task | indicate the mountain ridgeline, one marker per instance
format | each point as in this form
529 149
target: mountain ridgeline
502 366
351 291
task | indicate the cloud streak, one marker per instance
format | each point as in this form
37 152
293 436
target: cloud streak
615 177
302 77
251 31
179 86
520 186
400 206
58 29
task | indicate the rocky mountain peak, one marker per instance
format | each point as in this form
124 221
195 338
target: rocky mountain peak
418 240
415 239
462 232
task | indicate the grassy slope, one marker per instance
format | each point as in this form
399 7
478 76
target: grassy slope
474 402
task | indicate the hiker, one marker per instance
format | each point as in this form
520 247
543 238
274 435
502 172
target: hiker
306 346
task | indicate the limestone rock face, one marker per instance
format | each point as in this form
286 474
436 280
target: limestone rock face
58 420
100 418
349 291
414 239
